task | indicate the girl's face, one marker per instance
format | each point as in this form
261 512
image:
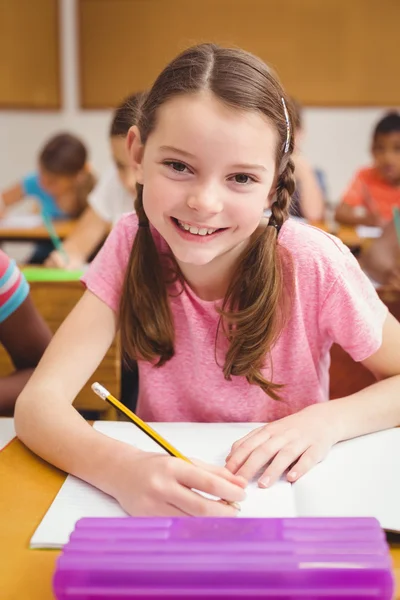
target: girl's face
207 171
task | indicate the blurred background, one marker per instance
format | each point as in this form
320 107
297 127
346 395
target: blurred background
64 64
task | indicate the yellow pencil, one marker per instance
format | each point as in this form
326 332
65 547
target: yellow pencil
105 395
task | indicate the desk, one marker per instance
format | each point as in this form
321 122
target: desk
346 233
37 233
28 487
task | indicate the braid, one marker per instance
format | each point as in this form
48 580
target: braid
284 191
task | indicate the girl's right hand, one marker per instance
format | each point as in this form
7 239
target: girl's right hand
158 485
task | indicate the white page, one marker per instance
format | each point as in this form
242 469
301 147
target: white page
21 222
365 231
7 431
209 442
359 477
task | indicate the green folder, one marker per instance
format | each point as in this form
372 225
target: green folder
396 217
44 274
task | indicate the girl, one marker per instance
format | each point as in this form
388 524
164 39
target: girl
114 194
230 316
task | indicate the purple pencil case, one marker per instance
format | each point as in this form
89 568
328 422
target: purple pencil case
149 558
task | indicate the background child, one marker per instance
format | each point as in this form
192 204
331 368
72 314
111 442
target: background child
112 196
374 191
60 187
231 316
308 199
62 182
23 333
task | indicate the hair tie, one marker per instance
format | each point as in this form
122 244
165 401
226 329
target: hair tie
143 223
273 223
288 132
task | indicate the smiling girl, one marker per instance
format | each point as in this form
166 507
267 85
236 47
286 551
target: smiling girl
231 316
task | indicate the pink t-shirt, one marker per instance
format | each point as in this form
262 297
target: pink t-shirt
333 302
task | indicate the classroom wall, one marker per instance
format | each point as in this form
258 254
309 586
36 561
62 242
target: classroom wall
337 140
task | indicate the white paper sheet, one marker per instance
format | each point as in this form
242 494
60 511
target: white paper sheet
7 431
209 442
360 477
21 222
364 231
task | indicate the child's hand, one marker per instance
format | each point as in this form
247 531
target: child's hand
297 443
372 219
158 485
57 260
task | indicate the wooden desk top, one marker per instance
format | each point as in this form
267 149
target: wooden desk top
28 486
346 233
32 234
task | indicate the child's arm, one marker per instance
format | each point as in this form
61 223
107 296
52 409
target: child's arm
89 232
357 206
356 215
25 336
298 442
143 483
311 197
11 196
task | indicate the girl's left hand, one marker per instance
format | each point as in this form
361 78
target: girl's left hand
297 442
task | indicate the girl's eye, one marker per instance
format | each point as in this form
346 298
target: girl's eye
176 166
242 178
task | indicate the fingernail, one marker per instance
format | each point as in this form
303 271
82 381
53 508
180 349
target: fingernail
264 482
292 475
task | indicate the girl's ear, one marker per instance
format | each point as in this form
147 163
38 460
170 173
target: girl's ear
136 150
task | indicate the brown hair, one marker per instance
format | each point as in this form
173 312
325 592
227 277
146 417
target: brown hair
126 115
297 113
254 308
63 154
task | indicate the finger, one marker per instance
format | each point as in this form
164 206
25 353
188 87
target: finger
282 461
194 504
243 452
239 442
261 456
222 472
307 460
200 479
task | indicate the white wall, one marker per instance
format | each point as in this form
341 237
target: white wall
337 140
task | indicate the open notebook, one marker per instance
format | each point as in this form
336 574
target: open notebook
359 477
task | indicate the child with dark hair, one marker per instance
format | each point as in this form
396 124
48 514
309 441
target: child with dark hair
375 191
62 182
113 195
230 315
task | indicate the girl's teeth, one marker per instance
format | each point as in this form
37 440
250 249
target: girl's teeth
196 230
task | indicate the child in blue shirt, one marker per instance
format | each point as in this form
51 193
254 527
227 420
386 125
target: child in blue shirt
60 185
